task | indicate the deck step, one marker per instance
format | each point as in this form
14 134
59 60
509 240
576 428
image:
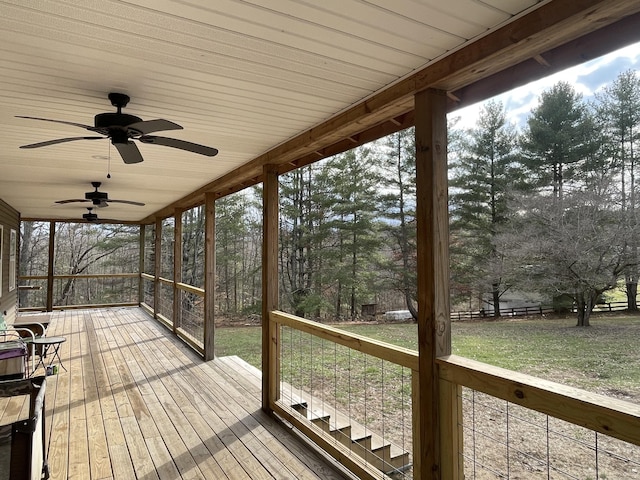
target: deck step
384 456
381 454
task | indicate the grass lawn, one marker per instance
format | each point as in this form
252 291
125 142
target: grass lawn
604 357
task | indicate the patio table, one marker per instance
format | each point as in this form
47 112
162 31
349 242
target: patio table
50 346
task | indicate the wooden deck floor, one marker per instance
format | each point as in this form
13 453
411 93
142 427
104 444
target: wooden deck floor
136 403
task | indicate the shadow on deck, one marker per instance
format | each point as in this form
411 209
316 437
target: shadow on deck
137 403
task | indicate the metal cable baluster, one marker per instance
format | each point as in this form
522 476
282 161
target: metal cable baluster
335 386
508 456
473 429
384 438
597 457
548 451
349 392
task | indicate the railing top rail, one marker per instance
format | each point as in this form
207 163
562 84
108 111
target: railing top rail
81 275
190 288
385 351
600 413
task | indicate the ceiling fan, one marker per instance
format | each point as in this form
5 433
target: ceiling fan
99 199
122 129
90 216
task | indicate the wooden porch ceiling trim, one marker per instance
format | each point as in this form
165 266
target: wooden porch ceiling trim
562 32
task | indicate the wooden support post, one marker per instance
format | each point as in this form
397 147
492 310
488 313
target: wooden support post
434 326
141 264
209 275
270 332
177 269
52 249
157 266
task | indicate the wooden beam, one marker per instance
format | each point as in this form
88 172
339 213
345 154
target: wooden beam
157 266
141 250
434 329
177 269
209 275
544 63
52 249
270 334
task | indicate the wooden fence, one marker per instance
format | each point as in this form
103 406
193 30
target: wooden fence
533 310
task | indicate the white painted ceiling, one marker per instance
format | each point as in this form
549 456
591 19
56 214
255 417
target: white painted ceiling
242 76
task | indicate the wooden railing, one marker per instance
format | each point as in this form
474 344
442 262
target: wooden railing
605 415
188 325
45 289
362 465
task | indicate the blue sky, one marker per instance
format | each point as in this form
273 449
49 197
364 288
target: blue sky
586 79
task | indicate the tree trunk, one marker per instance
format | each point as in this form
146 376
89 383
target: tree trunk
632 294
496 300
585 302
411 306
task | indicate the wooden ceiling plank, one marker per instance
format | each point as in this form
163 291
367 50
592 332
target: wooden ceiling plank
546 28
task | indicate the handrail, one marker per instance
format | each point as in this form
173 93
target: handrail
385 351
599 413
82 275
180 285
78 277
190 288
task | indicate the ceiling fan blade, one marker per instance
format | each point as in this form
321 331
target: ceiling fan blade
101 204
181 144
59 140
150 126
72 200
129 152
129 202
73 124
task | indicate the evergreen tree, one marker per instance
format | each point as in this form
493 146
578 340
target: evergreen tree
356 179
483 172
398 204
619 110
304 200
230 236
558 136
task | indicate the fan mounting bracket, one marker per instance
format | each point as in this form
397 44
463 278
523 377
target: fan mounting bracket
119 100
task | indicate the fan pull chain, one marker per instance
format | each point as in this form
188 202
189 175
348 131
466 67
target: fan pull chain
109 162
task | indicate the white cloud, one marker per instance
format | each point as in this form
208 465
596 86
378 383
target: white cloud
586 79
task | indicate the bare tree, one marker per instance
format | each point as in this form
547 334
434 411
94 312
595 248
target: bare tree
575 250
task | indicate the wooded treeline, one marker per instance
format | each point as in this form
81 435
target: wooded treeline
547 209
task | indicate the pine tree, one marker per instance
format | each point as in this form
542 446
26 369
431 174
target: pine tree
398 204
558 136
619 111
356 179
483 172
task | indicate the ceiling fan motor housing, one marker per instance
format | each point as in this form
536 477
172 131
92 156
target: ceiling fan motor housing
96 197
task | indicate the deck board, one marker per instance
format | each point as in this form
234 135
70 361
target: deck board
137 403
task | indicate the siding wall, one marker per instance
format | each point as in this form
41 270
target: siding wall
9 219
